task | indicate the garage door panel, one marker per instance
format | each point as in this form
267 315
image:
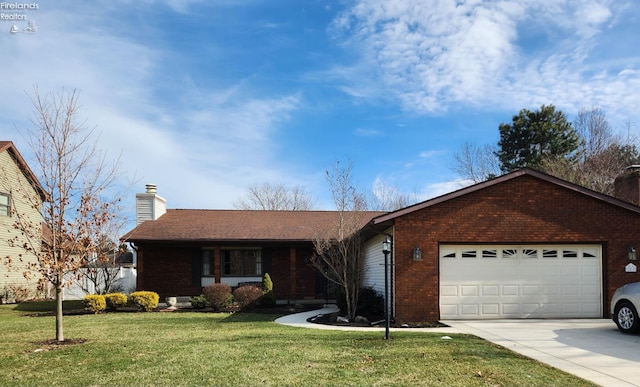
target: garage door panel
468 290
551 290
510 310
491 310
490 290
590 290
470 310
590 308
571 308
551 309
510 290
520 282
448 290
449 309
528 290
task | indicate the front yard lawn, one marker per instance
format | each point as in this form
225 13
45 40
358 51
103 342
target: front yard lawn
190 348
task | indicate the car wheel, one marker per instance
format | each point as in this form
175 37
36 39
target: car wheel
626 317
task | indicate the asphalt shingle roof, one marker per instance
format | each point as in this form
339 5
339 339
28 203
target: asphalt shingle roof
241 225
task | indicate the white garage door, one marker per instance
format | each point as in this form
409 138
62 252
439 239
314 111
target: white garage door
550 281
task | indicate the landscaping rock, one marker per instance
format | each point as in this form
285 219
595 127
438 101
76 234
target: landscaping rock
361 320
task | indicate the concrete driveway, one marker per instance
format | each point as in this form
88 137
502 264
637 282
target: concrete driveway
593 349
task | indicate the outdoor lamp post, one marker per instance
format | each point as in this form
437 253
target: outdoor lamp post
386 250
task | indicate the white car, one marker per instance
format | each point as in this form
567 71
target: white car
624 307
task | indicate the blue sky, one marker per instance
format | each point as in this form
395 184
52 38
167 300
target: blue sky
204 98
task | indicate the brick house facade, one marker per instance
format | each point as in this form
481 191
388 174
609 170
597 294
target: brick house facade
182 251
174 268
522 245
523 208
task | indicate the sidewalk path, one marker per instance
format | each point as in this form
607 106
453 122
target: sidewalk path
300 320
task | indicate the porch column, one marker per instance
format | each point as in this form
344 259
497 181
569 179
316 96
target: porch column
217 264
293 280
139 269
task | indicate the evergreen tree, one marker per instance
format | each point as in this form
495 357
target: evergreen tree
535 137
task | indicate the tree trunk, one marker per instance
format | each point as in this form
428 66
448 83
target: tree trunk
59 327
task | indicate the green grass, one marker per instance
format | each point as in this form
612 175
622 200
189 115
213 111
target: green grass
247 349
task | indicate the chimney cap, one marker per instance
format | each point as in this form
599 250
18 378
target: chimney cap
150 188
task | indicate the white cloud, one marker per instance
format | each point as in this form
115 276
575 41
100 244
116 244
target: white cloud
505 54
201 148
441 188
367 132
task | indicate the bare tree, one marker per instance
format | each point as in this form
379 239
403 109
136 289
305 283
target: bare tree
338 252
275 197
101 273
476 163
594 128
602 154
386 197
78 181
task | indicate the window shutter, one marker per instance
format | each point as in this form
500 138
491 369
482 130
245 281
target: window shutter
196 268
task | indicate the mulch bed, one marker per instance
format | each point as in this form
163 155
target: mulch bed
330 319
49 345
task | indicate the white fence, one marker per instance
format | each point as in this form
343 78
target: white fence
125 282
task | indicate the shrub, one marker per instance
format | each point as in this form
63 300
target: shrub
218 295
267 284
15 293
247 296
144 300
115 300
370 303
268 298
95 303
199 302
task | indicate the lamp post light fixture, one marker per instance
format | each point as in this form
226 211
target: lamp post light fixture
386 250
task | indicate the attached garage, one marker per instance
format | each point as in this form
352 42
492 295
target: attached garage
514 281
522 245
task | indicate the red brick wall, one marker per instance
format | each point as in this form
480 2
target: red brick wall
524 210
167 270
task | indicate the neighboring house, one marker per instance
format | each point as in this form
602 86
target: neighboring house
181 251
81 283
20 193
523 245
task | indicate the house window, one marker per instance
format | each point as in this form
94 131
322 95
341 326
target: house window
5 208
469 253
489 253
509 253
207 263
241 263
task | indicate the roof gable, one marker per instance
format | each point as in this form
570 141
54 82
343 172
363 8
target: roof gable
504 178
24 167
241 225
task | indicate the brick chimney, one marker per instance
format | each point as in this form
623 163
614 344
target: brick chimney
627 185
149 206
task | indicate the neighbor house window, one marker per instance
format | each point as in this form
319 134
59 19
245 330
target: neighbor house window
241 263
207 263
5 201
